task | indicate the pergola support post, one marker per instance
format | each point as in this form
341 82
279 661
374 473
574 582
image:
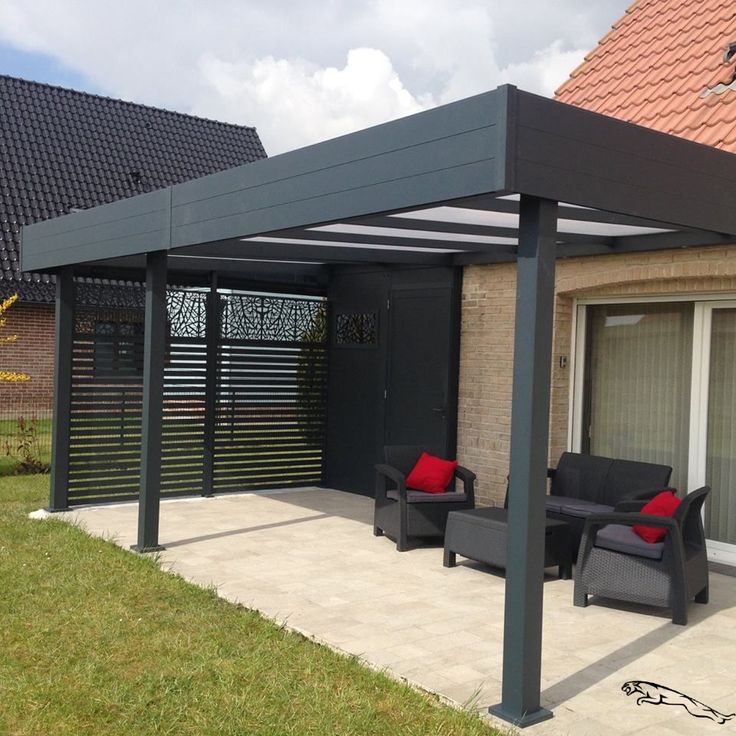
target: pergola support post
522 651
210 399
63 337
154 355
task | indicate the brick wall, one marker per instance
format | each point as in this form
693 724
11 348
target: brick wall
33 353
487 343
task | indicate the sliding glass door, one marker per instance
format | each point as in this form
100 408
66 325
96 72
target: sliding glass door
637 392
659 384
713 432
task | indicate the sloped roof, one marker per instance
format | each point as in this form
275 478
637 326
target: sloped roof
62 150
662 65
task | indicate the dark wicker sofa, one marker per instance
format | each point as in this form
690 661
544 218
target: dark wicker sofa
582 485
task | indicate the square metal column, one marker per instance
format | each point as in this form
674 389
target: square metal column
63 337
522 643
210 399
154 356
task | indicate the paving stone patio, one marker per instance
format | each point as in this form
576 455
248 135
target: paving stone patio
308 558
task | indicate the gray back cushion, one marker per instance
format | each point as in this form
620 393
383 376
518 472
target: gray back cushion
581 476
628 476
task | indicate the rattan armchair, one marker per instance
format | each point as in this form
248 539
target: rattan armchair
613 562
402 513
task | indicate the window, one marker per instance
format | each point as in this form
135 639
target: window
637 383
118 349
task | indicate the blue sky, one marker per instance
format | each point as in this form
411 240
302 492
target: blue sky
299 71
40 68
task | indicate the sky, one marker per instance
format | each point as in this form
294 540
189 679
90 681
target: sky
299 71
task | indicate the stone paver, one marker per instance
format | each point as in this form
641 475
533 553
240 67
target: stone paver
308 558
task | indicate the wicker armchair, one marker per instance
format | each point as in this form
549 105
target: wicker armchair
401 513
614 562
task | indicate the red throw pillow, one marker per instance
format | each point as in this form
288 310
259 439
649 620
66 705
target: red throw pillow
663 504
431 474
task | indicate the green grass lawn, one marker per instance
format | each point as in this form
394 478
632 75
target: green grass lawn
96 640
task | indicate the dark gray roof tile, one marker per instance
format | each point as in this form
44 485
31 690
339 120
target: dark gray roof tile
61 149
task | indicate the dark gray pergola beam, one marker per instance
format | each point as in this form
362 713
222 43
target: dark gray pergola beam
484 259
646 243
522 642
154 354
329 236
615 245
452 228
61 423
662 241
322 254
580 214
572 155
451 151
133 268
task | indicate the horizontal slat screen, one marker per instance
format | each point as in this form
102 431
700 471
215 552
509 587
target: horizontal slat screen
182 461
106 404
269 386
270 417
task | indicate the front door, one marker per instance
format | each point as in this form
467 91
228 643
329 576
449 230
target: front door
393 368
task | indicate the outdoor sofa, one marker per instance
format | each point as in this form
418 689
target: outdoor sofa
582 485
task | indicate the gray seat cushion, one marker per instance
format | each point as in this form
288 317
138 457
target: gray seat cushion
580 508
622 538
422 497
555 503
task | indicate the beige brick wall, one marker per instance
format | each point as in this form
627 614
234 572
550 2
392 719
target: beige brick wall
487 344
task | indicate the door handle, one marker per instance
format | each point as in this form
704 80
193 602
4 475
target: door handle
439 409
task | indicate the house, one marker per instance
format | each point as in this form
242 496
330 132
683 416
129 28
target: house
645 343
62 151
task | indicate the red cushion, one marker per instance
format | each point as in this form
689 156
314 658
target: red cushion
663 504
431 474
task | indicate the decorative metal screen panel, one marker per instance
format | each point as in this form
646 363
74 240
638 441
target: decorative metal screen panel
279 319
357 329
270 386
185 385
271 393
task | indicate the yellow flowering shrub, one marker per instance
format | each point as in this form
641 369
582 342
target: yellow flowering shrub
9 376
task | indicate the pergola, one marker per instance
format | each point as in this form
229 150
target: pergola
504 176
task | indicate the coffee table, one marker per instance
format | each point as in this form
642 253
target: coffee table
480 534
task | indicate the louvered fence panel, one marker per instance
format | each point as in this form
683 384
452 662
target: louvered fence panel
185 375
271 393
107 396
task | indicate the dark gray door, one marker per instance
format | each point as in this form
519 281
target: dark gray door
420 402
357 369
393 368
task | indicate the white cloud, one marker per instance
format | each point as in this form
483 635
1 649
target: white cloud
302 71
326 102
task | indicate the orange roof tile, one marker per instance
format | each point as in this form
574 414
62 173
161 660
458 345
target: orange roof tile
654 66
